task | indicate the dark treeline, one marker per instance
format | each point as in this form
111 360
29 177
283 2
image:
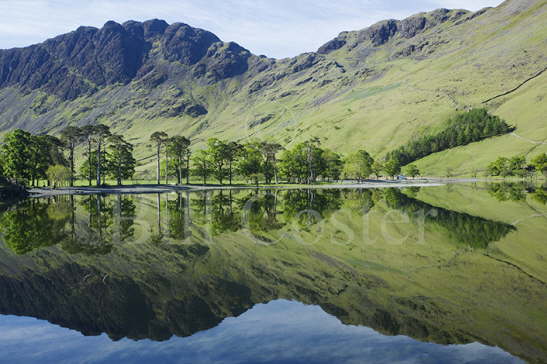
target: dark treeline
461 129
463 228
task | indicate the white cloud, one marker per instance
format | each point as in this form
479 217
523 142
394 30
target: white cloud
279 29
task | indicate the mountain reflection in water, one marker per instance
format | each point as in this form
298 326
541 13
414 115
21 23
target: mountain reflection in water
438 265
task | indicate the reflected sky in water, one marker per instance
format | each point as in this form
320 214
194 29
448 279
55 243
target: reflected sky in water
276 332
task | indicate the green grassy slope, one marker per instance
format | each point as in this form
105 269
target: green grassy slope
361 95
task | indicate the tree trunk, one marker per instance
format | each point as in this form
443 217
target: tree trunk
89 177
230 172
99 163
72 164
188 169
166 167
158 172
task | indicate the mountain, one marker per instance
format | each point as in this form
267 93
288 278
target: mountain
375 88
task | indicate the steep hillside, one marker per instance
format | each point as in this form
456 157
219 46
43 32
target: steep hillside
375 88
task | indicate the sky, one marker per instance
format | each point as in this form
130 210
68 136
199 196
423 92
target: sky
276 28
279 332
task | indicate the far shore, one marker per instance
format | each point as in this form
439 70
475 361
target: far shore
148 189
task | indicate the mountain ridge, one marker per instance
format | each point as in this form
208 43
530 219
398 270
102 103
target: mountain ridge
390 81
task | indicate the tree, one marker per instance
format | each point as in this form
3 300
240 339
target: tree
500 167
158 138
334 165
251 165
377 168
517 166
359 165
540 163
304 162
87 134
292 165
120 160
26 157
392 167
100 134
45 151
412 171
71 136
313 153
178 147
218 151
269 152
202 165
89 166
16 155
58 175
233 151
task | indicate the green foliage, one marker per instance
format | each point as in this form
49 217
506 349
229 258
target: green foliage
359 165
202 165
71 136
26 157
178 148
507 191
58 174
392 167
411 170
16 154
333 165
251 165
377 168
461 129
269 152
504 167
32 226
89 166
305 162
159 138
218 152
120 163
540 163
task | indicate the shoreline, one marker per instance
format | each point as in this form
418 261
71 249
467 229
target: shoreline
150 189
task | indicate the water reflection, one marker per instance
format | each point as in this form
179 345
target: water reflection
154 266
94 224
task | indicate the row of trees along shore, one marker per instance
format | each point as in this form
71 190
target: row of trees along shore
26 159
517 166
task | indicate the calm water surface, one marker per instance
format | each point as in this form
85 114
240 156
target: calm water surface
453 274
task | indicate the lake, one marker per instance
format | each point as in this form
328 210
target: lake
447 274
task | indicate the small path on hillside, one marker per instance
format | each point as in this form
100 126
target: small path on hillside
528 140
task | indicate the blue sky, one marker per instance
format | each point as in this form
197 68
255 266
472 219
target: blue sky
277 28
